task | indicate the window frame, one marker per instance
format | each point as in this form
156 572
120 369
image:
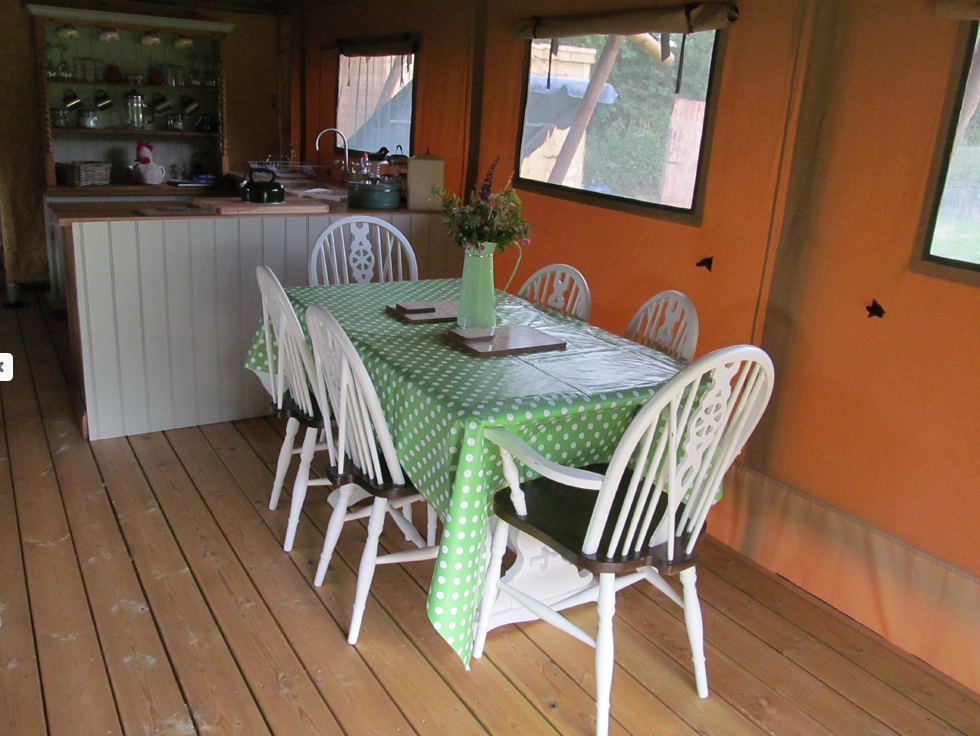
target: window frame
923 261
671 213
391 45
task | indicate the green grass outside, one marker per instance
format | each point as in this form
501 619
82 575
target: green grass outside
957 239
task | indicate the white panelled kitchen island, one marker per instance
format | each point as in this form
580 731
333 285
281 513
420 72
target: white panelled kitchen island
163 304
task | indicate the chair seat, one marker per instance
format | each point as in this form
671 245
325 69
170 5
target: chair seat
558 515
386 489
291 410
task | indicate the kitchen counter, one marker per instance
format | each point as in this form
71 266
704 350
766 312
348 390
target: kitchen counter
68 212
162 300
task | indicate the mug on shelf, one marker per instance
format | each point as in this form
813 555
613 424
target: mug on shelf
190 105
161 103
71 100
102 99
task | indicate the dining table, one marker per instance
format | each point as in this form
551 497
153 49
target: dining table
571 403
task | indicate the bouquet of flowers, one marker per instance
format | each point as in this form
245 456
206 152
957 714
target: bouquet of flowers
487 219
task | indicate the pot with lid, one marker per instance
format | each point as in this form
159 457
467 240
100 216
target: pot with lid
263 192
374 194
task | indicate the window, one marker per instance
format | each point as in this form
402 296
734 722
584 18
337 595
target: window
955 236
620 117
375 100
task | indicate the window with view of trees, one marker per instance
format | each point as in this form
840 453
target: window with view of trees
374 101
956 227
619 116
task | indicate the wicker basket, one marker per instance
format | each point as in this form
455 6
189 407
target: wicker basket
82 173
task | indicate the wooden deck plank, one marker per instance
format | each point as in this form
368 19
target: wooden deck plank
425 697
69 655
280 685
487 690
215 691
21 707
799 646
213 559
144 686
907 675
356 698
647 682
814 697
759 700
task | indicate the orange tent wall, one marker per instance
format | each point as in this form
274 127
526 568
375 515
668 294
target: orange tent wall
827 121
876 417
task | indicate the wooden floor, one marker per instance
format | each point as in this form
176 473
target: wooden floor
144 590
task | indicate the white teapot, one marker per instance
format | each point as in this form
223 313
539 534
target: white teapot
145 171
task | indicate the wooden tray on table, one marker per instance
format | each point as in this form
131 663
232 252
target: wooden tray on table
422 313
506 340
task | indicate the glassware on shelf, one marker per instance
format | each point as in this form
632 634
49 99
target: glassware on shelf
175 121
59 117
88 119
138 113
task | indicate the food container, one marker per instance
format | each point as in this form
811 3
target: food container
424 172
373 194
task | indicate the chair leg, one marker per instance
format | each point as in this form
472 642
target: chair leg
300 486
695 628
497 548
604 651
406 512
334 527
285 455
430 525
365 571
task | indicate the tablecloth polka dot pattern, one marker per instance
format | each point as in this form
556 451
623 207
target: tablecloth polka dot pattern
571 405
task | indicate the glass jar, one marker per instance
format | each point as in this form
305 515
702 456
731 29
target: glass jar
88 119
175 121
59 117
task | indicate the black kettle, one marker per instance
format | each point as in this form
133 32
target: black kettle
263 192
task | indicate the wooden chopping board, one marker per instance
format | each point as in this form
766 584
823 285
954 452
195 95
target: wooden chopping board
292 206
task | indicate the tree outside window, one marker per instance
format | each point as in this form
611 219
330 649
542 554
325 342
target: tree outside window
619 116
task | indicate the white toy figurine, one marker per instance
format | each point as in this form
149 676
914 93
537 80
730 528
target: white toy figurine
145 171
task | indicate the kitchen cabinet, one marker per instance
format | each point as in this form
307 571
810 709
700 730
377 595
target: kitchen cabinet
162 308
93 66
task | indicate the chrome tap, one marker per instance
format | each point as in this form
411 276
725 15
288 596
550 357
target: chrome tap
346 151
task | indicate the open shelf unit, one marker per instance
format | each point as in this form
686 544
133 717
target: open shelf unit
173 64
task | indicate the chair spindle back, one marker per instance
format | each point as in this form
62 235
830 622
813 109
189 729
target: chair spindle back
678 448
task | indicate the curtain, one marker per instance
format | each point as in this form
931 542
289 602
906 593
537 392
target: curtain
380 46
687 18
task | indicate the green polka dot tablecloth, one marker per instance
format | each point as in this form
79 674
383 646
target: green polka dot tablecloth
572 405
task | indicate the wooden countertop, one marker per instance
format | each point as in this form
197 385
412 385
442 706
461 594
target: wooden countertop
66 213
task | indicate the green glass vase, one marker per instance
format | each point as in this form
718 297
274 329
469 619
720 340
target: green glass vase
476 298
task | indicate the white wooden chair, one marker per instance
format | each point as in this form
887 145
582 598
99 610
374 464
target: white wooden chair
560 287
667 321
291 369
366 462
640 516
359 249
